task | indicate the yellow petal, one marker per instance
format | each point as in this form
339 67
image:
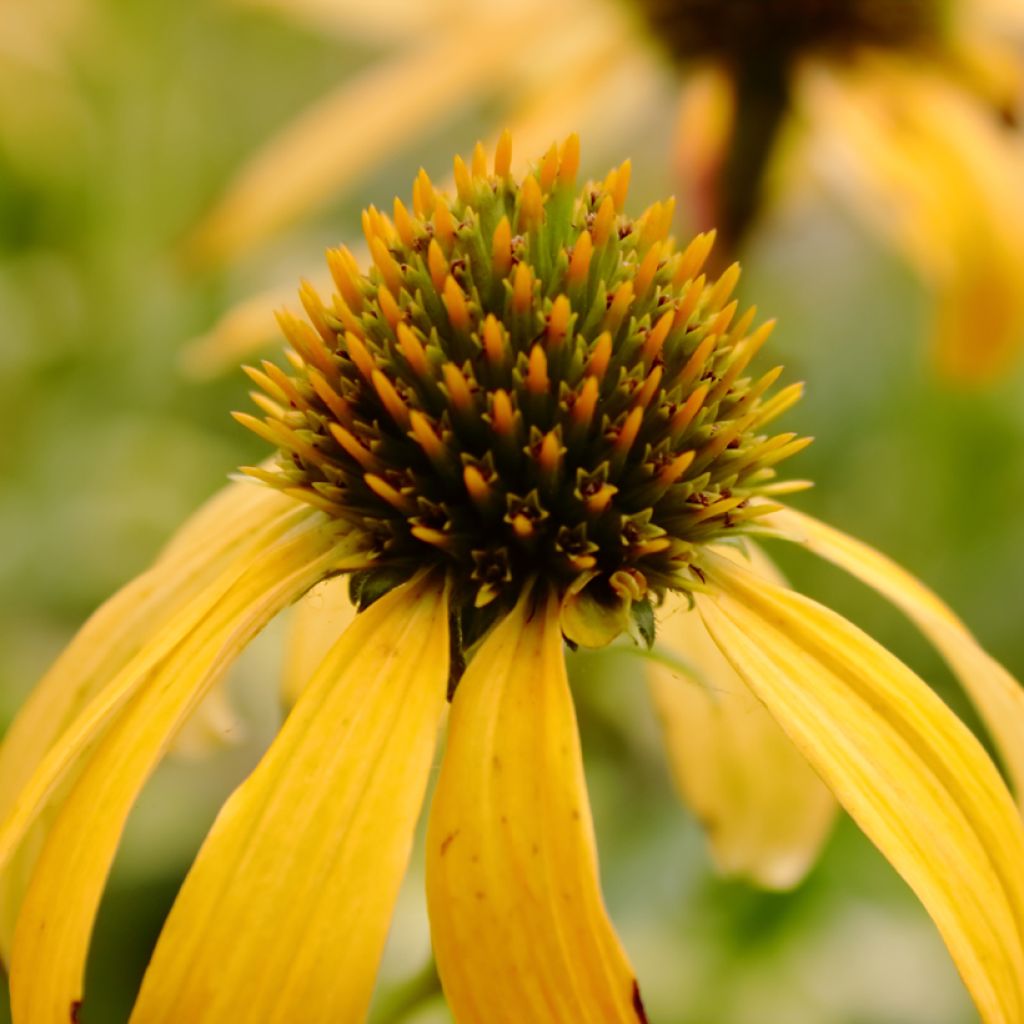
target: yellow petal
219 535
765 810
225 519
704 125
519 927
114 744
121 661
961 224
353 129
283 917
906 769
998 697
244 329
214 726
314 625
601 89
383 21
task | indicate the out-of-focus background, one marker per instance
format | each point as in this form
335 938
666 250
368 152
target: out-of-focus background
121 122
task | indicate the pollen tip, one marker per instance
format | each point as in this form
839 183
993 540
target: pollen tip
522 288
537 381
569 163
501 248
603 222
463 180
579 263
455 303
476 485
531 204
548 168
444 223
503 155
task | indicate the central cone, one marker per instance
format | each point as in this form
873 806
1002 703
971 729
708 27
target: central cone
526 385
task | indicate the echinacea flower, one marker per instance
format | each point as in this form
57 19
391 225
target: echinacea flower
908 112
530 422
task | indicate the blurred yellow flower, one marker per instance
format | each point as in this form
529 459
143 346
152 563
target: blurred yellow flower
530 419
910 112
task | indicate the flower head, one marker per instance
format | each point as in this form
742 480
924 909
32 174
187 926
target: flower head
530 421
527 385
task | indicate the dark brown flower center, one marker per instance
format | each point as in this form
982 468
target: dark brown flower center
775 31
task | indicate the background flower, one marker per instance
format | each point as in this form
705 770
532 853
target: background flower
910 115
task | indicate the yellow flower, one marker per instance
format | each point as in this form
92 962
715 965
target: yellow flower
530 419
908 112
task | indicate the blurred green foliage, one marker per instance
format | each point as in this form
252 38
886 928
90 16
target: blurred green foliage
121 141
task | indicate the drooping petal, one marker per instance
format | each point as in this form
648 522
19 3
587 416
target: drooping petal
364 121
906 769
704 124
114 744
314 625
284 914
961 224
519 928
242 330
766 812
113 671
219 535
598 92
998 697
597 88
225 519
213 726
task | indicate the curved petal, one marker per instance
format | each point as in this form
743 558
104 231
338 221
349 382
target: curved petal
242 330
315 623
766 812
220 535
120 674
998 697
214 726
364 121
519 928
115 743
704 125
598 92
284 914
906 769
961 224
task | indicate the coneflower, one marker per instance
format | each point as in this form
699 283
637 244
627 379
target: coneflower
531 422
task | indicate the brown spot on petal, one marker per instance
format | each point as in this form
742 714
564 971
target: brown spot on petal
638 1004
447 841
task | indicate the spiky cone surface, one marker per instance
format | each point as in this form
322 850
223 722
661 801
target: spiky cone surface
527 383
